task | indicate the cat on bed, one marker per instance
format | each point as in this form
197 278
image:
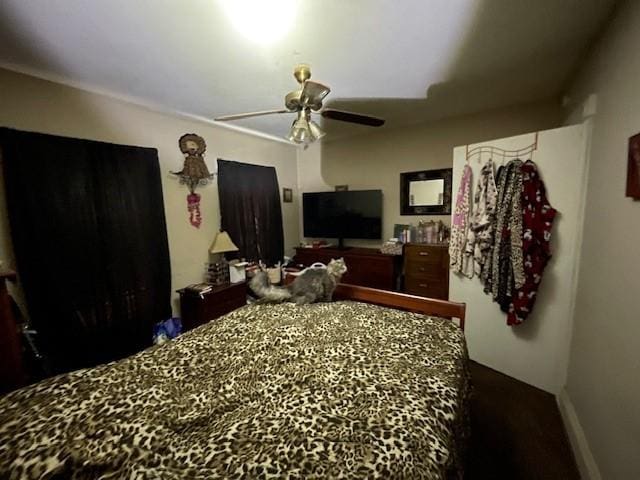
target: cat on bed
313 285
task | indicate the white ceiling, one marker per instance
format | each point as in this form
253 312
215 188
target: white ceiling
406 60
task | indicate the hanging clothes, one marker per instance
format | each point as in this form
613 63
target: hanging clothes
460 222
480 236
507 270
488 283
466 267
467 256
537 221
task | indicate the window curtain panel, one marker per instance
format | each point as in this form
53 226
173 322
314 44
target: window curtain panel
250 210
88 227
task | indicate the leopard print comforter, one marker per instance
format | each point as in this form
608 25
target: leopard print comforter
332 390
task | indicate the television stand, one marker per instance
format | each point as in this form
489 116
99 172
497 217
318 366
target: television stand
341 245
365 266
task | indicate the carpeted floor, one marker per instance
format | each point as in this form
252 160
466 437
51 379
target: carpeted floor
517 432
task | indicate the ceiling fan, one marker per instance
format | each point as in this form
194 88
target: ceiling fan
304 101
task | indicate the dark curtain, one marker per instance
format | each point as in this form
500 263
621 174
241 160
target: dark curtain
250 210
89 233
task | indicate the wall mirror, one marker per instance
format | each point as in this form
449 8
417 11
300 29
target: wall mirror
427 192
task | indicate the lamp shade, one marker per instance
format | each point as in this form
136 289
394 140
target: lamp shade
316 131
299 131
222 243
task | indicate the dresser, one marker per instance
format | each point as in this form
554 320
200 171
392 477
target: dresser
366 267
196 310
426 270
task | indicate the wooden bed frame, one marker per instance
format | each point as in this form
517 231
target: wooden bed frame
402 301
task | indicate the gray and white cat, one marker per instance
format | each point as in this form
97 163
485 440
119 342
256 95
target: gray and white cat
314 285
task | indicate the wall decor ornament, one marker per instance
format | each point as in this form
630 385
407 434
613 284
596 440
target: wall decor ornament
194 173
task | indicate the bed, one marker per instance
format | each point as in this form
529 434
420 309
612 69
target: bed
332 390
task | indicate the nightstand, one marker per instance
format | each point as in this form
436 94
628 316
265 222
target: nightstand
196 310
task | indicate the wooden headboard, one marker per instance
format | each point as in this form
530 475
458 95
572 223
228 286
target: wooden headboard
402 301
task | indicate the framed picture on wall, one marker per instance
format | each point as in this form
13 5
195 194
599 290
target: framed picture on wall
287 195
633 168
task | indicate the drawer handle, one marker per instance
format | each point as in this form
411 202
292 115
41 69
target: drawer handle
423 285
422 269
423 254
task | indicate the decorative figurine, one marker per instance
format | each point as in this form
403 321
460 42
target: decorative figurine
194 173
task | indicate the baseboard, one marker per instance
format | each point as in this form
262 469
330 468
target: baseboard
584 458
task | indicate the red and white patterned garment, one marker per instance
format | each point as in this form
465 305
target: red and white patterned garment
537 220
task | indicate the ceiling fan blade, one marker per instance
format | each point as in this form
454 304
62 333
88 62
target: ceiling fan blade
238 116
313 93
352 117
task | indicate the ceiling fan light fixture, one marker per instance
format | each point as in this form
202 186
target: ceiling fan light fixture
303 102
300 132
315 130
263 22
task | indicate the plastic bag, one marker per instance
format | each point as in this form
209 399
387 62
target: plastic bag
164 331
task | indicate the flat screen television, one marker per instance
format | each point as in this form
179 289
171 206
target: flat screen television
346 214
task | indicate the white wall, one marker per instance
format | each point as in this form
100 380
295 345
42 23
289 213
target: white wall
28 103
604 367
536 351
375 160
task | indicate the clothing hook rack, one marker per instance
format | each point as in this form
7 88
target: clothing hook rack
490 149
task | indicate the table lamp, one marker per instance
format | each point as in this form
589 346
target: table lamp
219 269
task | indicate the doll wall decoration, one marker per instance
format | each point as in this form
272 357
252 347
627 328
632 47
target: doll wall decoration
194 173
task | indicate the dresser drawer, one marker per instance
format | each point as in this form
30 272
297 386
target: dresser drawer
365 266
369 272
309 256
426 288
425 254
425 270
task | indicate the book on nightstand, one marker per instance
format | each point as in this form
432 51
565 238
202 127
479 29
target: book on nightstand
199 288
